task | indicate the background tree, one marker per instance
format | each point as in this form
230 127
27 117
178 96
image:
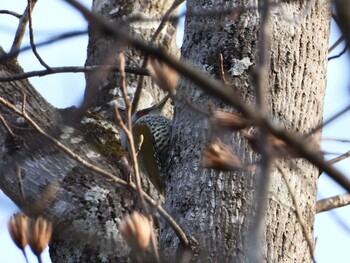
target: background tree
226 201
232 196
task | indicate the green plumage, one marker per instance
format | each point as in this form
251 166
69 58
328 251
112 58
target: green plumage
154 153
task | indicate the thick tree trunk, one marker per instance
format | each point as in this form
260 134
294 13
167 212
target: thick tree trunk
215 208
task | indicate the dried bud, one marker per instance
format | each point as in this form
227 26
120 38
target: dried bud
47 196
163 75
281 149
219 156
39 234
17 227
229 120
277 147
136 231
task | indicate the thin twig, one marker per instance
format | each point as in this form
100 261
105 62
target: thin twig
8 12
331 119
341 39
339 55
16 50
127 129
336 140
31 36
177 229
7 127
72 69
333 202
339 158
297 212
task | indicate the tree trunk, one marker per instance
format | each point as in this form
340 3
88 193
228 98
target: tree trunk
216 208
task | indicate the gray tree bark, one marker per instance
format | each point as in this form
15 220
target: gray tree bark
85 207
216 208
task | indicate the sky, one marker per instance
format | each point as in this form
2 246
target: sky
52 17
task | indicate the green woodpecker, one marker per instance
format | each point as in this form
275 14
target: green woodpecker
154 153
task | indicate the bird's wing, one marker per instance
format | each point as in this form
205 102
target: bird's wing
146 157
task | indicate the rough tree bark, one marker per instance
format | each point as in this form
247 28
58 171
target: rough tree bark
215 208
85 207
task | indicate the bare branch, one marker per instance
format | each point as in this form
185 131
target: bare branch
333 202
341 39
339 55
8 12
15 51
331 119
31 35
7 127
128 130
336 140
339 158
56 70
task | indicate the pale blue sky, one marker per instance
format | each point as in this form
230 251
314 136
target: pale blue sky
52 17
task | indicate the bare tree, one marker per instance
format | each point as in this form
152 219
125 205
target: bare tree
242 179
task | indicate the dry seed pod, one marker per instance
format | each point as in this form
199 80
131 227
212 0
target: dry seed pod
39 234
219 156
46 197
17 227
277 147
163 75
136 231
229 120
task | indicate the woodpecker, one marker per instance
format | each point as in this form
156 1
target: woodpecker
154 153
